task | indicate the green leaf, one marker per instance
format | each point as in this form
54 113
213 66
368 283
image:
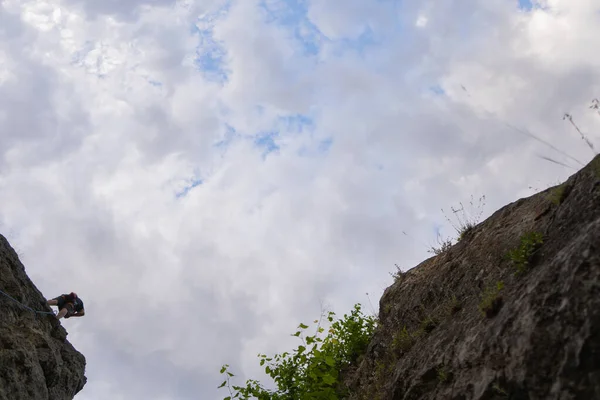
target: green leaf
329 380
222 384
302 326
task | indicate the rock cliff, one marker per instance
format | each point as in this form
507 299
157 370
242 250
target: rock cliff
36 360
511 311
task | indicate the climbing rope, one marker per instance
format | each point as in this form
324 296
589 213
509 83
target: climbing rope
29 308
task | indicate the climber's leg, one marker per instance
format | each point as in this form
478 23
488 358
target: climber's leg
52 302
66 312
61 313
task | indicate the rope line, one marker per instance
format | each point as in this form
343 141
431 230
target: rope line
27 307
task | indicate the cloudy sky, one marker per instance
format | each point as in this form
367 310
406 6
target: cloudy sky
207 174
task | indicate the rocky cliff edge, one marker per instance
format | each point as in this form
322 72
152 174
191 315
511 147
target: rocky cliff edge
36 360
511 311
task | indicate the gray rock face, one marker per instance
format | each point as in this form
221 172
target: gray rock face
36 360
462 325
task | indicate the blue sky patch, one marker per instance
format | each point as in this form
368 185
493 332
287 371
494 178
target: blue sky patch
525 4
362 43
437 89
293 15
228 137
193 183
296 123
266 142
325 145
319 149
210 55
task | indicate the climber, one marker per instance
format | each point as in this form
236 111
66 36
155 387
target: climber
69 305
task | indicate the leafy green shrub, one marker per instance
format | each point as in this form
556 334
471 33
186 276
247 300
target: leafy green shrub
491 301
521 256
312 370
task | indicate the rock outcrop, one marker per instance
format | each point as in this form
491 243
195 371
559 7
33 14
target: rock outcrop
36 360
511 311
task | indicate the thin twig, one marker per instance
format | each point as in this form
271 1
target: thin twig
596 105
556 162
525 132
570 118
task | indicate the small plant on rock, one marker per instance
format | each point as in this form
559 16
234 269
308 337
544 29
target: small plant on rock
442 373
556 195
443 246
428 324
499 390
466 220
453 306
491 300
521 256
398 275
596 167
403 341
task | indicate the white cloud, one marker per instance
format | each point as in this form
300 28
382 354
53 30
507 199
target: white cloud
132 177
339 19
421 21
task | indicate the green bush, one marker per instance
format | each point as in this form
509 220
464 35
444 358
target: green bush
312 370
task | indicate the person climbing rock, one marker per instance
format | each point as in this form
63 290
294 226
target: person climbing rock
69 305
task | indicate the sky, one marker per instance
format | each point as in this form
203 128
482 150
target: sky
208 174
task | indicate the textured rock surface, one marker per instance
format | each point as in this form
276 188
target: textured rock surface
544 340
36 360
